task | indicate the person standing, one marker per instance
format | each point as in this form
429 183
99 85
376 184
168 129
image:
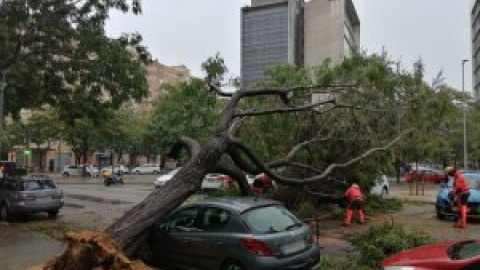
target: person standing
354 198
461 191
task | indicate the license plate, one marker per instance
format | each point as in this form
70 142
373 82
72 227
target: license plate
43 199
293 247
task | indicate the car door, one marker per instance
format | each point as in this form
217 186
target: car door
172 239
211 243
473 181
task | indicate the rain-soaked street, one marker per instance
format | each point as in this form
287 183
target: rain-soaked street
21 248
93 206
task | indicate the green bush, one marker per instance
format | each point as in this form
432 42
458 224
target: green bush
375 204
383 240
345 263
306 209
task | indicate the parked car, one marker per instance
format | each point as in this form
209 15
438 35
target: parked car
29 194
381 186
430 175
244 233
163 179
217 181
451 255
446 208
9 168
147 169
261 183
211 182
77 170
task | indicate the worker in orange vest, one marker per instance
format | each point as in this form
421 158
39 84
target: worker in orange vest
354 199
461 191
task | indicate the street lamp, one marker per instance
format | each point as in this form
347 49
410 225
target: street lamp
465 160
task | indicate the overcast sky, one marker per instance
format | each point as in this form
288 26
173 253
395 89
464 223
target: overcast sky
187 32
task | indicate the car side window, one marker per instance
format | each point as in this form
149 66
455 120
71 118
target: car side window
214 219
185 220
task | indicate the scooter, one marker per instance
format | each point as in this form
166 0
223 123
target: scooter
115 178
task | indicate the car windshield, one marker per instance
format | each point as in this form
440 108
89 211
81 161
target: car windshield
29 185
464 250
270 219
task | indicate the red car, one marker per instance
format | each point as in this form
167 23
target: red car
261 183
451 255
429 175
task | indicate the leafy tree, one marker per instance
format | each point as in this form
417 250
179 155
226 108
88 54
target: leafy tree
55 52
185 109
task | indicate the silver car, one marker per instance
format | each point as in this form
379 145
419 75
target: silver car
29 194
234 233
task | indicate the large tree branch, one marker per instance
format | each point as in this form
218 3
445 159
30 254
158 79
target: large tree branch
326 172
285 110
192 146
295 149
238 175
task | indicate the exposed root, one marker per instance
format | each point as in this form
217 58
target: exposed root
89 250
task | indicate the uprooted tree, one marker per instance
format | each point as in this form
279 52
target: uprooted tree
321 114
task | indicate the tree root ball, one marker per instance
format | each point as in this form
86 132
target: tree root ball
90 250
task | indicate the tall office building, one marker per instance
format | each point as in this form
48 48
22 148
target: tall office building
295 32
475 24
271 34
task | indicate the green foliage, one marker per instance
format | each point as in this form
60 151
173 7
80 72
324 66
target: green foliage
375 204
306 209
185 110
214 68
62 49
350 262
383 240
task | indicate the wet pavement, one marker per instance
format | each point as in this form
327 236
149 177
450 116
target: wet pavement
21 248
94 206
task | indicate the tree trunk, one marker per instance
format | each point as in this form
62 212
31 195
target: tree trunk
131 230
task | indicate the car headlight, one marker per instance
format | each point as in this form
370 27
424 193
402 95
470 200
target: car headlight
399 268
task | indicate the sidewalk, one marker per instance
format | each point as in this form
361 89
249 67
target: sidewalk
405 191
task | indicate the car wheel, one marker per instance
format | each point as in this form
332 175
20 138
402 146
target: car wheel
156 172
233 265
4 214
53 214
65 174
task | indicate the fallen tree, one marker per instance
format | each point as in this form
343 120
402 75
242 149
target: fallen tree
133 229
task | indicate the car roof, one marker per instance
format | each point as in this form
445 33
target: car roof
29 177
236 204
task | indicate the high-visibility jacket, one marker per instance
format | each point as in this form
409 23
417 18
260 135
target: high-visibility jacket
460 185
353 193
